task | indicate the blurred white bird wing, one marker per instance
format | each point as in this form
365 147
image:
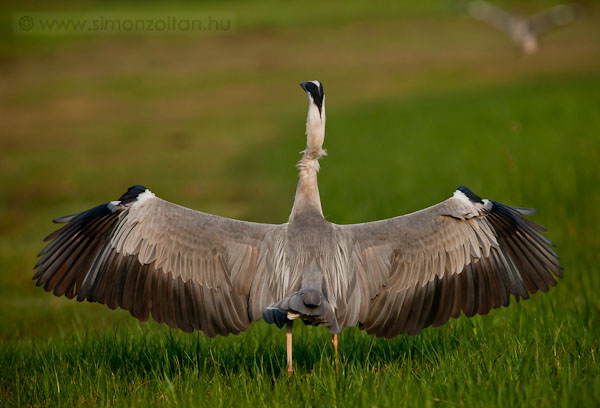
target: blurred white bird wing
493 15
556 16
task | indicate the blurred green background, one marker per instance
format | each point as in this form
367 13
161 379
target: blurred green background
421 98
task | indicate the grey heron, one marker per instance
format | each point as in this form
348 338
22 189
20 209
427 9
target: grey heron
525 31
196 271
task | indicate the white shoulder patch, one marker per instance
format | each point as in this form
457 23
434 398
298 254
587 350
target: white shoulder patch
461 196
112 206
487 204
146 195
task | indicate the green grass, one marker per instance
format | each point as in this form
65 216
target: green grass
420 100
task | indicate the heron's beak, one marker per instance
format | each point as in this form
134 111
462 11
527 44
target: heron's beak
303 85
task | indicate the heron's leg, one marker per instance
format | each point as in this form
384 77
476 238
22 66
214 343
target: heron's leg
288 335
334 340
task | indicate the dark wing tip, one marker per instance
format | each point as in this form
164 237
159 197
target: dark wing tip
132 194
470 195
66 218
526 211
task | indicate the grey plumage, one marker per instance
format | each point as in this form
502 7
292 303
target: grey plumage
196 271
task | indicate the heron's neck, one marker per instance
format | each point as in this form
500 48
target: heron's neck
307 193
307 198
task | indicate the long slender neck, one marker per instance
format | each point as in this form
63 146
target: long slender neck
307 192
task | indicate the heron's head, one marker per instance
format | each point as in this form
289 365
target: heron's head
315 121
316 96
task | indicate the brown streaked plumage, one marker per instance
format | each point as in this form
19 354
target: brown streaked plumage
196 271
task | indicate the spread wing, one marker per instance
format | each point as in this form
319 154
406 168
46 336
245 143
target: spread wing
556 16
493 15
463 255
188 269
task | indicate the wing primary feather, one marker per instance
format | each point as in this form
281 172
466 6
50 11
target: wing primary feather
180 305
139 304
130 272
436 302
168 301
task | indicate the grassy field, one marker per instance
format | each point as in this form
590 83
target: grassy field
420 99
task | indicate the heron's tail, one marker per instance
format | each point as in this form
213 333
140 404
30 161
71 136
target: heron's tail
307 304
